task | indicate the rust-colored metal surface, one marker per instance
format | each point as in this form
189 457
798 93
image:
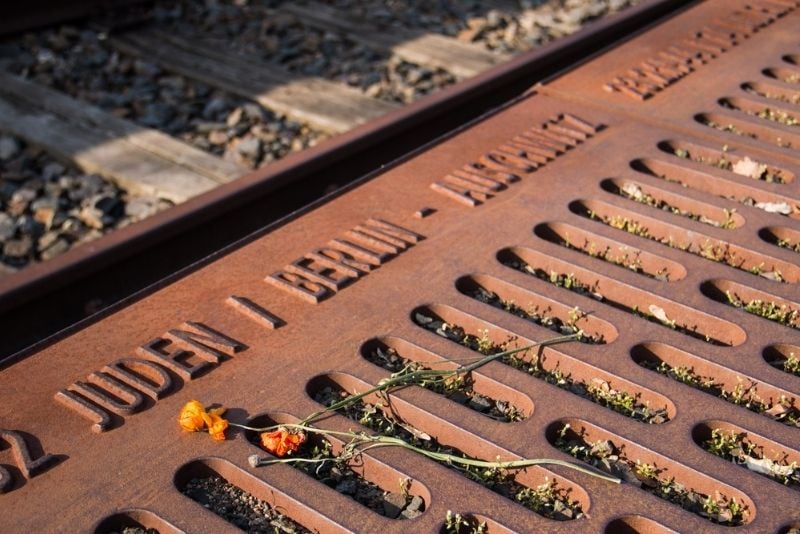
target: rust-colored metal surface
564 182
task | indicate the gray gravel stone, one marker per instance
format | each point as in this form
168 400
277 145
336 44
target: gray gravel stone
480 403
9 147
52 171
8 227
249 147
393 504
18 249
27 225
413 509
58 247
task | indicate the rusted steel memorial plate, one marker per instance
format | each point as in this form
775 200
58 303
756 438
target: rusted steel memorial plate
597 201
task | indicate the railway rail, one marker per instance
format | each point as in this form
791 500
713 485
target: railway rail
642 197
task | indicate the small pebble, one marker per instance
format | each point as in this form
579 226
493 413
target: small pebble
9 147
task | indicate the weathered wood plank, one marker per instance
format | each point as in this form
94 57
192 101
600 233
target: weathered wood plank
432 50
158 143
326 105
95 149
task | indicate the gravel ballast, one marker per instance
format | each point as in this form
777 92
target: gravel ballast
78 62
47 207
255 28
239 507
510 26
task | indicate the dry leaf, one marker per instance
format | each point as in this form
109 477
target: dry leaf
767 467
602 448
658 313
602 384
633 191
748 167
416 433
723 516
775 207
772 275
777 410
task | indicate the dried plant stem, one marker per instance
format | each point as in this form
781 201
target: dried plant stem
404 378
360 442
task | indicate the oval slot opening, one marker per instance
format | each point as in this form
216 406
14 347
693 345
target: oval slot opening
220 487
636 524
728 159
456 523
652 472
135 520
412 425
673 203
773 91
476 391
537 309
695 243
784 357
771 135
781 236
611 251
758 303
749 451
783 74
642 304
708 183
776 114
549 365
730 386
365 480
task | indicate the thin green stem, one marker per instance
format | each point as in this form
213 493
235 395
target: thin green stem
403 378
416 376
373 442
294 426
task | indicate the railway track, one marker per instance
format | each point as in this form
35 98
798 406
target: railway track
168 103
642 202
130 85
132 81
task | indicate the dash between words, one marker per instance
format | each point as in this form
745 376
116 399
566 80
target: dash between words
119 389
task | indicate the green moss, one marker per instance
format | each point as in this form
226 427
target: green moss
598 390
609 457
779 313
554 501
746 395
714 251
736 448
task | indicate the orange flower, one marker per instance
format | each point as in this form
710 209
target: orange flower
282 442
217 426
194 418
191 417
